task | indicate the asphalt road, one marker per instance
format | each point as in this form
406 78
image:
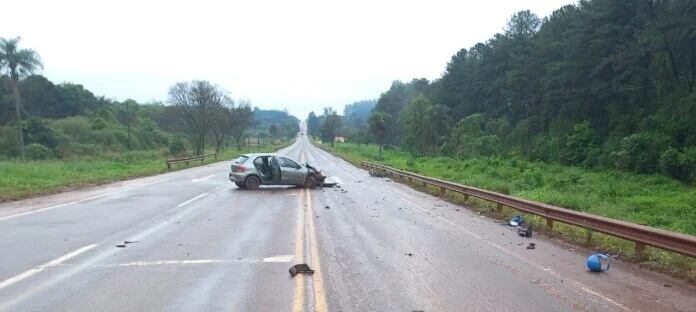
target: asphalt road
202 244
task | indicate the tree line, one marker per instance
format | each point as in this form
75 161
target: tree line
42 120
598 84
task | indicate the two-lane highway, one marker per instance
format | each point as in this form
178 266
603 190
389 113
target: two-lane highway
198 243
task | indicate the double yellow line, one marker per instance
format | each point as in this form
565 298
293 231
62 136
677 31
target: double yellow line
306 233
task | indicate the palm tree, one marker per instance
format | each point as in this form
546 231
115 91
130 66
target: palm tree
378 127
18 63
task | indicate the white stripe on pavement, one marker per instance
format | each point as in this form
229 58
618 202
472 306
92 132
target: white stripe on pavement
191 200
42 267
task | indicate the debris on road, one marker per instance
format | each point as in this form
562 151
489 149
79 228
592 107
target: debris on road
594 262
121 246
516 220
531 246
375 174
330 184
525 231
130 242
327 207
300 268
408 254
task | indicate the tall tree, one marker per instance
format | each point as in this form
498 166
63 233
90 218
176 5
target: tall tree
273 130
18 63
378 127
331 125
221 121
312 124
195 101
241 119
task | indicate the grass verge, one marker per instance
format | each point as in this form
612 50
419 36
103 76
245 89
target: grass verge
651 200
33 178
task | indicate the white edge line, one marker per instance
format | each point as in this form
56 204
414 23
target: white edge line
42 267
191 200
125 188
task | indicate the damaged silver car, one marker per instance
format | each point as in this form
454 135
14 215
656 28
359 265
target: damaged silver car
253 170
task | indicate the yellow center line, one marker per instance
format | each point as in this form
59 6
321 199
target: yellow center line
317 281
298 300
306 230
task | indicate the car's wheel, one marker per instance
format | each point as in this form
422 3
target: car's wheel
252 182
310 182
239 184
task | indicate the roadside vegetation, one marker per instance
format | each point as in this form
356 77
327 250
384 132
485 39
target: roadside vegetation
20 179
652 200
58 136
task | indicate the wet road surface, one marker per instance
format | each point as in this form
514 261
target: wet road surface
198 243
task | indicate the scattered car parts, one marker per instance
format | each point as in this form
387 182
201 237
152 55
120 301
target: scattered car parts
300 268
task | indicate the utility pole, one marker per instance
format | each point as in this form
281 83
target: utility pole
128 123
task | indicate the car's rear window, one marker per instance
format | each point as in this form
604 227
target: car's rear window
241 159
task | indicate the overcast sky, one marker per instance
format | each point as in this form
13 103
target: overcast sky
299 55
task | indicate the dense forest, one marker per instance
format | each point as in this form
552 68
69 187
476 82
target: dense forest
599 84
67 120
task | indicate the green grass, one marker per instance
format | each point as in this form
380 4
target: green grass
651 200
25 179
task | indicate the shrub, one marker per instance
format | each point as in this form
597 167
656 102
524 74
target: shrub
75 128
37 132
98 124
37 152
176 147
9 140
679 165
669 164
529 179
638 152
579 143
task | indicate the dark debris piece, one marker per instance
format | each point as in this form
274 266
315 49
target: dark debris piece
525 230
300 268
121 246
531 246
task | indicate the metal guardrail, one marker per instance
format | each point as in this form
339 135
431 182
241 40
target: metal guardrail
187 160
640 234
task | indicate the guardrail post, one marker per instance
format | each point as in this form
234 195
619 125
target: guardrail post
639 250
466 197
425 185
549 224
498 207
588 240
187 162
409 181
442 191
